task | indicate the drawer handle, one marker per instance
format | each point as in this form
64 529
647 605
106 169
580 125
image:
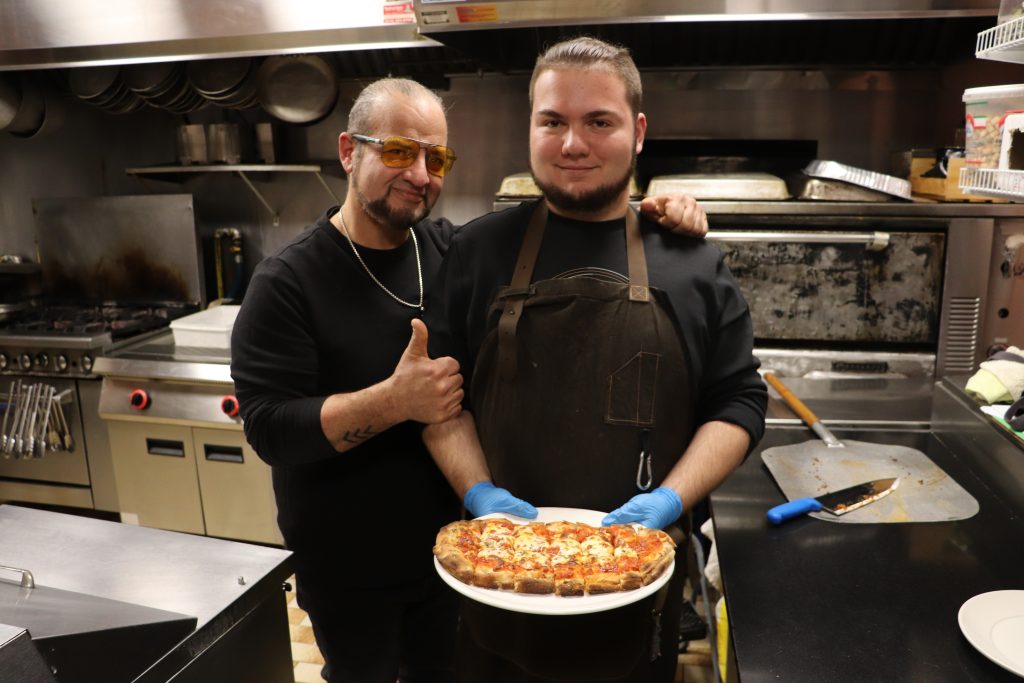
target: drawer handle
224 453
165 447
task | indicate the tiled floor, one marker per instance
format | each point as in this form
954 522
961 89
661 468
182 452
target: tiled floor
694 665
305 655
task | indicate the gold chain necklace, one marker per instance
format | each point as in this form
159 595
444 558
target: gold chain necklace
419 266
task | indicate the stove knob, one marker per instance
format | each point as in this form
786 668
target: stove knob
229 405
42 361
61 362
139 399
3 361
87 363
25 361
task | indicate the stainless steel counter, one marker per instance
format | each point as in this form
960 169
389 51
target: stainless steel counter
815 601
160 358
232 589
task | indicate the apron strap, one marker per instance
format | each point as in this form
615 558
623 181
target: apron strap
520 285
515 295
635 259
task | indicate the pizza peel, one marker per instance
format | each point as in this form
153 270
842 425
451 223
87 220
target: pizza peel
807 470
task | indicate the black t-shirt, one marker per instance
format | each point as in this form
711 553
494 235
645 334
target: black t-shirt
313 324
713 317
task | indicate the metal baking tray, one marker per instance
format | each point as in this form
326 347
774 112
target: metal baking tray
740 186
521 186
879 182
806 188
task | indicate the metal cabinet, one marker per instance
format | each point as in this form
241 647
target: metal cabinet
156 475
191 479
238 497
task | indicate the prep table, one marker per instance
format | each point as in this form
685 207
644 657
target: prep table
812 600
231 593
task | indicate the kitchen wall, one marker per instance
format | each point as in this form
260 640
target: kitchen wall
856 117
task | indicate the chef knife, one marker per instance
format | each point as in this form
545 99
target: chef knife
837 502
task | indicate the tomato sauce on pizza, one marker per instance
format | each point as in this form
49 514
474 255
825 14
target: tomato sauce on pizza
561 558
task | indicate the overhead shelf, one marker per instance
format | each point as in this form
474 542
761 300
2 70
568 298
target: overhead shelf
1004 43
176 173
993 182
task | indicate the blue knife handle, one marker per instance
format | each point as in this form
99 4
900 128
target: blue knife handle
794 508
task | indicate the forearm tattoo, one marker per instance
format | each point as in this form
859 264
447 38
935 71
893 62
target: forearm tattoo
359 435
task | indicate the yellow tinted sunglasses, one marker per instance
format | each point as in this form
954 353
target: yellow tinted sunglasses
400 152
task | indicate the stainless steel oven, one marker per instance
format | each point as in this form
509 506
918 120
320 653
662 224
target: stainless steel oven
873 289
870 289
115 270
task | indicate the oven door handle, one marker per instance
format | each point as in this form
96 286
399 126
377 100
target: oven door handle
872 241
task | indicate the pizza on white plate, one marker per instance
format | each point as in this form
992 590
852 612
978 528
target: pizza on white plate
561 558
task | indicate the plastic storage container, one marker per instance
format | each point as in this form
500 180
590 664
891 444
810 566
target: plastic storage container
1010 10
210 329
986 112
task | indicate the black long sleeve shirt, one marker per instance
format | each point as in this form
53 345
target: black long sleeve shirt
314 324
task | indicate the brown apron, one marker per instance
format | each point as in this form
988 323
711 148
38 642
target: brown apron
582 398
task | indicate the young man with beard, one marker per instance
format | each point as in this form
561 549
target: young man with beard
331 370
609 366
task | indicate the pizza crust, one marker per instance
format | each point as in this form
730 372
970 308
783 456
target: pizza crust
561 558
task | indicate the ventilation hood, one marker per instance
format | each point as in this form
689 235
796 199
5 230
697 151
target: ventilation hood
37 34
501 35
451 15
672 34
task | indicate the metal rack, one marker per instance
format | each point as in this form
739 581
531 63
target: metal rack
174 173
1004 43
993 182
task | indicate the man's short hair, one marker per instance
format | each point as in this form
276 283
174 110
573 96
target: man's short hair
369 107
590 53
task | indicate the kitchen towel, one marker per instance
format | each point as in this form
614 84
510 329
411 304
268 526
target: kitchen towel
1000 379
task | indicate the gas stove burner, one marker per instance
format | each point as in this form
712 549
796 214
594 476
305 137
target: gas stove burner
120 321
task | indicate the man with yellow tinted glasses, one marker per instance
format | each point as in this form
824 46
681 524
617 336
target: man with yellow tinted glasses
399 152
329 359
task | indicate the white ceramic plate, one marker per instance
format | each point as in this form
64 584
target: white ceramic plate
553 604
994 624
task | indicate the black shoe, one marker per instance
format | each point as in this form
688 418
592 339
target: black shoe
691 626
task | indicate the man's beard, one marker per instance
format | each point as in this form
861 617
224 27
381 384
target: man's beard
592 201
384 214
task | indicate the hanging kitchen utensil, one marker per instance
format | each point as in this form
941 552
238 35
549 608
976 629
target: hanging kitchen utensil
104 87
925 494
229 83
297 88
10 100
29 112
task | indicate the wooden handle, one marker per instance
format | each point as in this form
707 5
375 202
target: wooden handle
798 406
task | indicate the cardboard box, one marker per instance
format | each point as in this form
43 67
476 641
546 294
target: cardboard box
923 182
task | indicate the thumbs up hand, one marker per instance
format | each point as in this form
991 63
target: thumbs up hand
424 389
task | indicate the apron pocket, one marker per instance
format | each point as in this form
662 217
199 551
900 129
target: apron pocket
631 391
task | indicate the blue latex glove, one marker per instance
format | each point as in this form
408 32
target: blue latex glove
655 510
485 498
